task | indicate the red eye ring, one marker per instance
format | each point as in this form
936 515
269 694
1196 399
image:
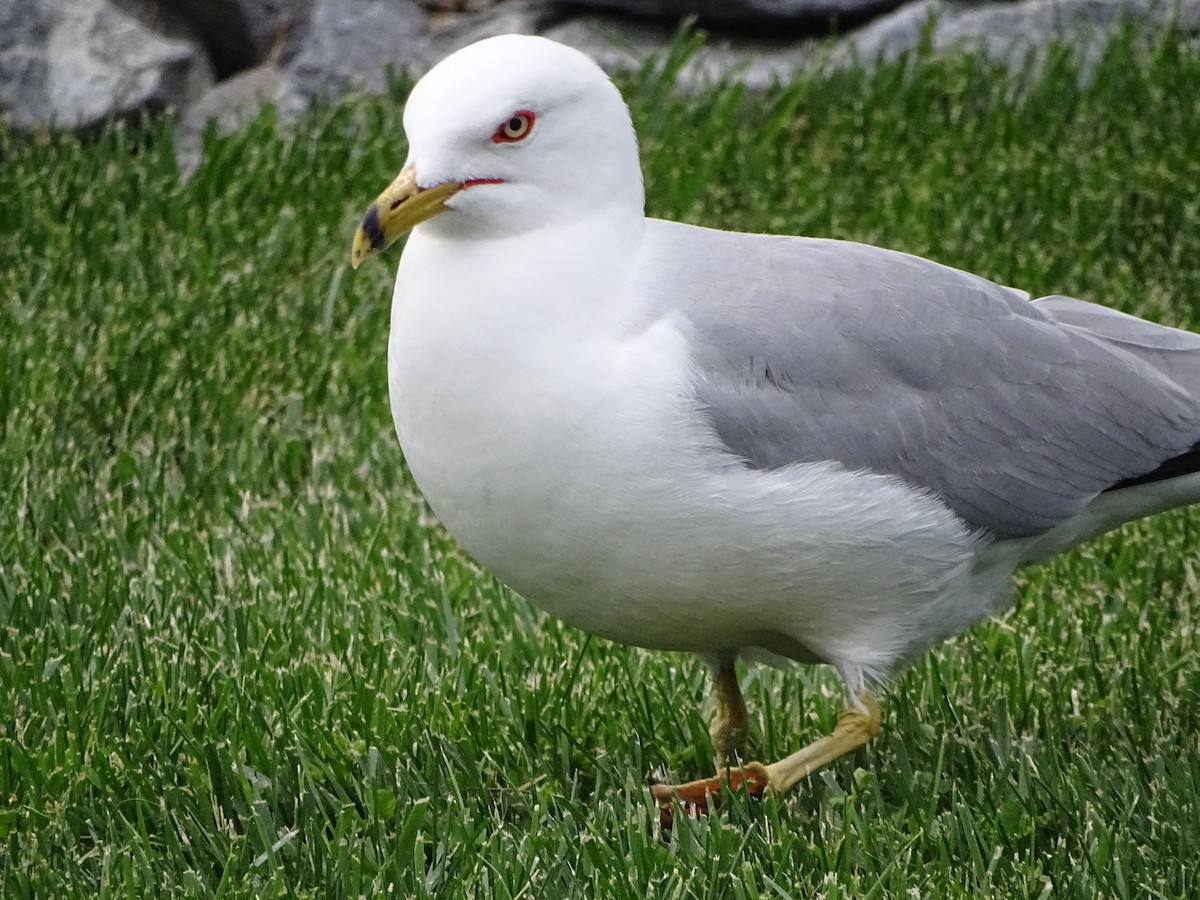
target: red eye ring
515 128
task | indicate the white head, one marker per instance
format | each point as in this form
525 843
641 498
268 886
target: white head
509 135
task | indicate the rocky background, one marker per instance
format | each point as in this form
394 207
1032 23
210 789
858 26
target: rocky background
76 64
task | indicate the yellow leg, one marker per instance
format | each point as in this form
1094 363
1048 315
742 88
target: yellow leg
731 724
854 728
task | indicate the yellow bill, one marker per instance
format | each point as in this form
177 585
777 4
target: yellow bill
401 206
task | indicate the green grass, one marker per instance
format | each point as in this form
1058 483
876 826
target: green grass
238 658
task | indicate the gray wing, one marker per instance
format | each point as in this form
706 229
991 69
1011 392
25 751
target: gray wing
1016 414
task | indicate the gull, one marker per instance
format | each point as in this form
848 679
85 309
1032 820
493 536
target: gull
738 445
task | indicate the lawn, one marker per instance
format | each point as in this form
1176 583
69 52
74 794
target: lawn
239 658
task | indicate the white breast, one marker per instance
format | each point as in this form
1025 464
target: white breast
564 453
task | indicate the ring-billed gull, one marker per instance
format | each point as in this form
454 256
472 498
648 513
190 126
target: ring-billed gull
737 444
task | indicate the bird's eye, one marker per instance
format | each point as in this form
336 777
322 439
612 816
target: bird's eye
517 128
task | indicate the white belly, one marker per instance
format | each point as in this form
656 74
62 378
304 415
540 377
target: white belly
574 467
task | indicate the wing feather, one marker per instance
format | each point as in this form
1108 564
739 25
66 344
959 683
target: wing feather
1016 414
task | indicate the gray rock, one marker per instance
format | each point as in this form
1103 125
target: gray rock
232 105
79 63
617 45
457 6
815 15
1005 33
240 34
24 23
620 44
351 43
509 17
1011 33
